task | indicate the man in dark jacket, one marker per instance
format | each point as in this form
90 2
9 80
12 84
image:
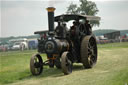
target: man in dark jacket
88 27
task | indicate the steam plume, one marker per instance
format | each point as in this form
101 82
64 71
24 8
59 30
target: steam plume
53 2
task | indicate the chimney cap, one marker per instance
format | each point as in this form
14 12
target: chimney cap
50 9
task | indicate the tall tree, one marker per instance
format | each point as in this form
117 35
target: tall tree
85 8
72 9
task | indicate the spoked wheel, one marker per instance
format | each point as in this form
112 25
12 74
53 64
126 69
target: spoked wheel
66 63
36 64
89 51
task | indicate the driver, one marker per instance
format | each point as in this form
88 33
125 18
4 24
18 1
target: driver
65 26
88 27
61 30
73 28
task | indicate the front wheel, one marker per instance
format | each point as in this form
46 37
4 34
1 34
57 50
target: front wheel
66 63
36 64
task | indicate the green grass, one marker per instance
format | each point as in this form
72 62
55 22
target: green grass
111 69
113 45
14 66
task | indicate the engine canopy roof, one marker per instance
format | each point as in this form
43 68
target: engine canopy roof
68 17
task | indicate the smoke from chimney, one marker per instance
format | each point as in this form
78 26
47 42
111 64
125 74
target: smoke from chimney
52 3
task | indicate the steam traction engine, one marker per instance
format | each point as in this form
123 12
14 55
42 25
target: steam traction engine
63 47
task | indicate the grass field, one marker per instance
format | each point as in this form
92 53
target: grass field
111 69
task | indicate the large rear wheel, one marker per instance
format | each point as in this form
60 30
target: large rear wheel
89 51
66 63
36 64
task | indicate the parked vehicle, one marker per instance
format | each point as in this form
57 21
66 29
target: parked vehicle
4 48
20 46
16 46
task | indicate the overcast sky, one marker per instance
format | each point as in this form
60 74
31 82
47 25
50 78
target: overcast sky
21 18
